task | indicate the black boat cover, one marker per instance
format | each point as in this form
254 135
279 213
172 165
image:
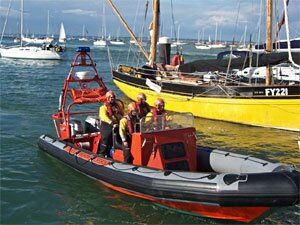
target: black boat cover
237 63
281 45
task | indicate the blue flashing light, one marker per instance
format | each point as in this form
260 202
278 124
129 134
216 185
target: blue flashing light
83 49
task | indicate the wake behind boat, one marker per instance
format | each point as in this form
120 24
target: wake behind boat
168 167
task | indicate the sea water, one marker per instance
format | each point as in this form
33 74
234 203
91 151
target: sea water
39 189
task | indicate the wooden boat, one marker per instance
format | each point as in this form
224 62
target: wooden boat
168 167
214 95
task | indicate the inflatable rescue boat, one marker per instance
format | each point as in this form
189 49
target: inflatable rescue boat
168 167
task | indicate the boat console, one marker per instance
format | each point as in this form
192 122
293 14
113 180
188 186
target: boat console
163 142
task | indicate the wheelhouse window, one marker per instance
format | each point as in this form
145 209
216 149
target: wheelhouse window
166 122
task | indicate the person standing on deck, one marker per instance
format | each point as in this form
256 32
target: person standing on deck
110 114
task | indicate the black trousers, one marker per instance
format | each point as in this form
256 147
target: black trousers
106 142
126 150
126 153
106 139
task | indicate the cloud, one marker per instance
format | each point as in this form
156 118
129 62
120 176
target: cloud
12 12
80 12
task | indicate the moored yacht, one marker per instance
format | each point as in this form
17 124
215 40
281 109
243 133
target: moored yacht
45 52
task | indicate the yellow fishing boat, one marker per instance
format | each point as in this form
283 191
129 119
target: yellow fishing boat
262 109
218 96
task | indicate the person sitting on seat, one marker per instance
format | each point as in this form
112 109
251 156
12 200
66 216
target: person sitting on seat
142 106
110 114
127 127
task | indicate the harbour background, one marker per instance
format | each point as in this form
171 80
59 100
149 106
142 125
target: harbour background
38 189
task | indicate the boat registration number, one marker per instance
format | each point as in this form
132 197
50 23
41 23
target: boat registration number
276 91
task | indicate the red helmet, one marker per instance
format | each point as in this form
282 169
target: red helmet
159 102
141 96
110 94
132 107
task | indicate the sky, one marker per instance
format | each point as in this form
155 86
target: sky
183 17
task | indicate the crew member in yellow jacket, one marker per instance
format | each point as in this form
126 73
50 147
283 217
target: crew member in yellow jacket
157 118
127 126
110 114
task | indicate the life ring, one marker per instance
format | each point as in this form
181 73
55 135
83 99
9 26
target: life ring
57 49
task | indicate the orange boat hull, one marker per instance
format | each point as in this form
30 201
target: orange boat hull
242 214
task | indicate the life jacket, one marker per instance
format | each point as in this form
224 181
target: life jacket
177 59
181 59
157 122
129 124
155 113
143 109
111 111
132 125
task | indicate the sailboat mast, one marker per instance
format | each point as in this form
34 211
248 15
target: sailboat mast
269 42
129 30
216 33
48 26
154 37
21 28
103 30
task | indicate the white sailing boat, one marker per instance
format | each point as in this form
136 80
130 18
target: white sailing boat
31 52
217 44
62 34
178 42
201 45
243 47
101 42
40 41
117 41
84 31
